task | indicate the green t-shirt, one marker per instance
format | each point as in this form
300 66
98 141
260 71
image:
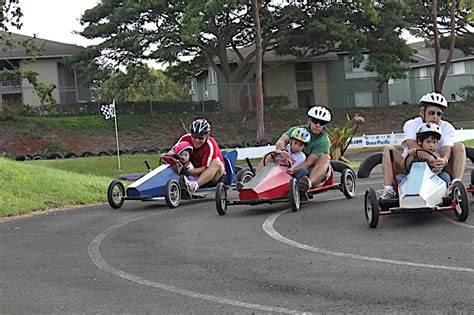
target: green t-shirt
319 144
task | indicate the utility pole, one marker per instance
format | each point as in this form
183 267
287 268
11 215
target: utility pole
258 72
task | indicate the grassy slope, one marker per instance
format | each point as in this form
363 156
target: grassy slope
27 187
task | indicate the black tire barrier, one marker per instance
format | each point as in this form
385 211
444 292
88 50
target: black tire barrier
121 152
21 158
152 150
368 164
87 154
136 151
165 149
38 157
338 166
104 153
470 154
55 156
70 155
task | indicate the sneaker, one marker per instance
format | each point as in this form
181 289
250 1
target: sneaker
190 185
239 185
304 184
387 195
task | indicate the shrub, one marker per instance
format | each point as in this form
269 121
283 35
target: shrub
467 93
281 101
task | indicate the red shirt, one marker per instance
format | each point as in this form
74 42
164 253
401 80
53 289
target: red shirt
204 155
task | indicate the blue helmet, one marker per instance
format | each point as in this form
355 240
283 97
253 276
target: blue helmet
301 134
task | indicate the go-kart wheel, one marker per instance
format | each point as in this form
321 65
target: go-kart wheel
472 182
172 193
221 198
294 194
371 208
115 194
459 196
244 175
348 183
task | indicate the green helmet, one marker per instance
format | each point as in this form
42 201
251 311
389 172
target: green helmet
301 134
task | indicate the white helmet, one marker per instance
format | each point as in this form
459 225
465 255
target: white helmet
200 127
429 129
320 113
434 99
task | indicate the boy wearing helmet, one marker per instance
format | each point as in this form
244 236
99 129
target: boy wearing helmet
316 151
427 136
452 156
206 156
184 149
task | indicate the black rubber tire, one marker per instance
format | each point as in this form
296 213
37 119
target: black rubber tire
115 194
294 195
152 150
338 166
470 154
368 164
459 195
371 208
172 193
55 156
70 155
21 158
136 151
221 198
244 175
87 154
472 177
348 183
38 157
103 153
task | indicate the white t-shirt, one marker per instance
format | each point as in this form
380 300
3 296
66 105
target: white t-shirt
412 125
298 157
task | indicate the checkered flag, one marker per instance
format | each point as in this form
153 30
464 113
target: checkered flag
108 110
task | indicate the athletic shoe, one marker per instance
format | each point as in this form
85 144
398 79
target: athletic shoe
190 185
387 195
304 184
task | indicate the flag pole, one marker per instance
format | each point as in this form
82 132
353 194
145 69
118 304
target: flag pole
116 134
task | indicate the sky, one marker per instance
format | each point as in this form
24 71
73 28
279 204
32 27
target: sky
55 19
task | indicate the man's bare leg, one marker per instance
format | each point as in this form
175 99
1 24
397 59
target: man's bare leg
387 164
457 161
215 170
319 170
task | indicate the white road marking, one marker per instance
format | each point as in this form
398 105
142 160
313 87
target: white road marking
268 228
93 250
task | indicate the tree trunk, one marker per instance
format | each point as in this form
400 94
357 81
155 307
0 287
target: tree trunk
452 42
258 72
234 105
434 17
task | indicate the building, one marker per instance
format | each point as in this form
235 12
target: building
51 68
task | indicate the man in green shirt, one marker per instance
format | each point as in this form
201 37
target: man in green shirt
316 151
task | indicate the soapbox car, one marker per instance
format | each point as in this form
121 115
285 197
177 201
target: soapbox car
470 188
163 183
273 185
421 191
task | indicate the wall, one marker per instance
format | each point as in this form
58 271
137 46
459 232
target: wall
48 74
280 80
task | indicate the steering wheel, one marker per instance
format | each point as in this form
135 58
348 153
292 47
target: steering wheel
171 159
416 158
272 154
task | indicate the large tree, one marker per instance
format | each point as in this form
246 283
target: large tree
443 24
168 30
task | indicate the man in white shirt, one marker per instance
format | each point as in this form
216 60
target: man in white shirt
452 155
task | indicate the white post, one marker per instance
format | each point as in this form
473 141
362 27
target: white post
116 135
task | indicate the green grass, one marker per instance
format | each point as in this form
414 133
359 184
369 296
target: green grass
469 143
27 187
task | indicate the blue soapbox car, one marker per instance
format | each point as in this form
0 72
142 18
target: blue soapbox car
163 183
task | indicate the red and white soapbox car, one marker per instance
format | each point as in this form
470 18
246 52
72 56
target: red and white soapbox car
273 185
421 191
163 183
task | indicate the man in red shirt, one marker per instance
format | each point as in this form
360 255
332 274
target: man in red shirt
206 157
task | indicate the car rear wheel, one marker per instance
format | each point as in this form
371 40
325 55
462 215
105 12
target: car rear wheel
459 196
348 182
116 194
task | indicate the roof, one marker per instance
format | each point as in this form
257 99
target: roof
271 56
426 55
51 48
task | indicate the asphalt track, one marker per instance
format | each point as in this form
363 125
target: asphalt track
146 258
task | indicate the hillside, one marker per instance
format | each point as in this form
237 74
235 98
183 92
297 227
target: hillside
27 135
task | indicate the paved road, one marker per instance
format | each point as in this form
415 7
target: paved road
145 258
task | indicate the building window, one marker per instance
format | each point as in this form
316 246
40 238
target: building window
353 72
193 87
363 99
394 81
459 68
425 73
212 76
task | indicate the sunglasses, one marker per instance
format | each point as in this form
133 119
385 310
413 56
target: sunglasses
432 113
199 137
317 121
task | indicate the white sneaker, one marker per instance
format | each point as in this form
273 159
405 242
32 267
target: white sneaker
387 195
191 185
